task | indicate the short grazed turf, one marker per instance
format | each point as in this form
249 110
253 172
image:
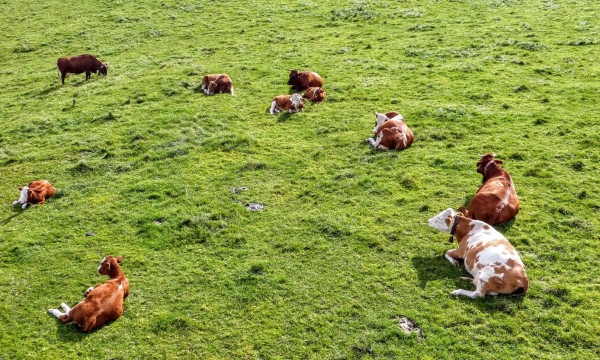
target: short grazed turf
341 251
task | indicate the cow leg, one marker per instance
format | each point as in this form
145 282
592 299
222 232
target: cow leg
481 289
274 108
65 307
62 317
231 91
400 144
89 324
471 294
88 75
451 255
375 143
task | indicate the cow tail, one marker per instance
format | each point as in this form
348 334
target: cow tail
58 70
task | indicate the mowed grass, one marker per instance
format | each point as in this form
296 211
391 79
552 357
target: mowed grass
342 249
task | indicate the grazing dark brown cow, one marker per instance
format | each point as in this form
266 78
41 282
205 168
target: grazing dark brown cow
315 94
102 303
217 84
303 80
79 64
391 131
292 103
37 192
496 200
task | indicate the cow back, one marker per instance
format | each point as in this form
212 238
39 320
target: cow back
495 202
80 63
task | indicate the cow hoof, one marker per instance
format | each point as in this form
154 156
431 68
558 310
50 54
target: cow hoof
455 263
455 293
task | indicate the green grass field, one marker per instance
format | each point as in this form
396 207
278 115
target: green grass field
341 250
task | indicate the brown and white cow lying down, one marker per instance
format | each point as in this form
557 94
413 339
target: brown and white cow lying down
291 103
37 192
79 64
314 94
391 131
489 257
103 302
302 80
496 200
217 84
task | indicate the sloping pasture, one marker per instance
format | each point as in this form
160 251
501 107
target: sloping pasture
146 163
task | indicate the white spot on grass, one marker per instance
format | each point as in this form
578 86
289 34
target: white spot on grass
409 326
254 207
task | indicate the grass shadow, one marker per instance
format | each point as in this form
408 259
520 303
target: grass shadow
434 268
68 332
438 268
504 303
505 227
468 199
16 213
49 90
284 116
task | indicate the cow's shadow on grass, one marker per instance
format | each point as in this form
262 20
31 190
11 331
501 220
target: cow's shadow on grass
68 332
438 268
50 89
16 212
508 304
432 268
284 116
505 227
71 331
468 199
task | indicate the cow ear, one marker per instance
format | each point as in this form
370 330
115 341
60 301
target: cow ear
119 259
20 188
498 161
448 220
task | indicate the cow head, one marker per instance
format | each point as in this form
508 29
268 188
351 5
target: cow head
296 100
23 198
109 265
319 93
293 77
443 221
212 86
379 120
103 68
485 161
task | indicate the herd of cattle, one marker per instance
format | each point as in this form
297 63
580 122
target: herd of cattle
488 256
